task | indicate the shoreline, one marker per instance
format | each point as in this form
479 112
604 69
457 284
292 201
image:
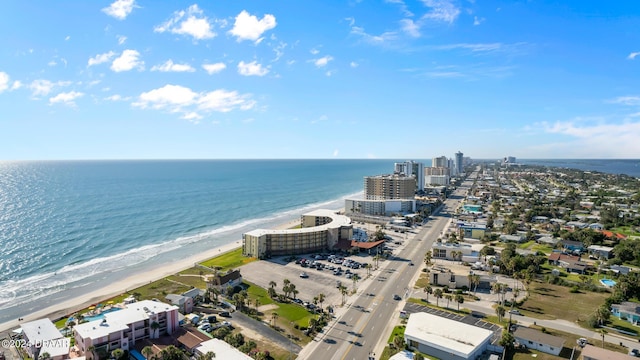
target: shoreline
68 307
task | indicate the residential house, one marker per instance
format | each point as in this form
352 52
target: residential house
629 311
537 340
189 339
620 269
600 252
571 263
590 352
512 238
222 281
572 246
473 230
222 350
184 303
456 251
41 336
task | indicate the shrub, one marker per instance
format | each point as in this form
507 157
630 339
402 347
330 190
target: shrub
574 289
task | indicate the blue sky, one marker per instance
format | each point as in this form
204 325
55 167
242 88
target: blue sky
396 79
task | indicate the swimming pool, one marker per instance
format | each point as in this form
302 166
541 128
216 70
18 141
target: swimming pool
608 283
101 315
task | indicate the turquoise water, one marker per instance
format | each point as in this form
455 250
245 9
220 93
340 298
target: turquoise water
101 315
472 207
608 282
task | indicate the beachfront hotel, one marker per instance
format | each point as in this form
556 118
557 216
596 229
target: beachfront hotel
321 230
121 329
42 337
389 186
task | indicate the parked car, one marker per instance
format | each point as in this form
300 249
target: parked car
304 275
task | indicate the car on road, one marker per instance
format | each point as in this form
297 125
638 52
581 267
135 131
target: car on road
304 275
411 263
515 312
396 297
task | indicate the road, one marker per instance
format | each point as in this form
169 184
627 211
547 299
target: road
362 327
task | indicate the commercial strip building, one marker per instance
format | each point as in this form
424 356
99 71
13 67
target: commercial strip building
121 329
590 352
321 230
444 338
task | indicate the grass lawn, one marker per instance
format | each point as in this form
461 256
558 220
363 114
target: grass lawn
547 301
256 292
422 281
626 230
230 260
623 325
542 247
159 289
190 280
397 331
526 245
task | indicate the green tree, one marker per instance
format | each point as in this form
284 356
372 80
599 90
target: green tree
427 258
210 355
500 311
321 299
274 317
147 351
603 332
438 295
171 353
355 278
459 300
428 290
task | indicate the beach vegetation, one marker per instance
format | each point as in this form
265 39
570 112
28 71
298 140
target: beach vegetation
228 261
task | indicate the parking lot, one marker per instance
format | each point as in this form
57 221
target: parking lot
323 281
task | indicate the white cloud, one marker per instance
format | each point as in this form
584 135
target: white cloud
477 21
252 68
16 85
67 38
336 152
482 47
381 39
128 60
170 66
120 9
191 22
323 61
354 64
121 39
626 100
441 10
410 27
180 99
192 116
44 87
224 101
594 140
314 51
248 27
66 98
4 81
633 55
117 97
214 68
101 58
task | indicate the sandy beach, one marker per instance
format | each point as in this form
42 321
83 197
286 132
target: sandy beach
59 310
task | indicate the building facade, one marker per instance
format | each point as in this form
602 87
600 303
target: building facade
459 163
390 186
121 329
379 207
321 230
411 168
439 162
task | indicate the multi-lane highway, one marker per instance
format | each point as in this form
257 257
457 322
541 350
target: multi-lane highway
370 316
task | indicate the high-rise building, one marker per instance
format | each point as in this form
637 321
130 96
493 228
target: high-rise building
440 161
411 168
390 186
459 160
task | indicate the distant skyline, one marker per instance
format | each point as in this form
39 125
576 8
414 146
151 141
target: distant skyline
387 79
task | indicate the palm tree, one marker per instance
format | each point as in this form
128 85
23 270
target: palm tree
216 292
368 267
147 351
285 287
343 291
355 279
427 258
210 355
154 327
257 303
500 311
603 332
321 299
438 295
427 289
398 342
46 356
459 300
448 297
274 317
116 354
272 284
475 281
602 314
272 292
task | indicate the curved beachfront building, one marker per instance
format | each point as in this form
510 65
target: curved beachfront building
321 230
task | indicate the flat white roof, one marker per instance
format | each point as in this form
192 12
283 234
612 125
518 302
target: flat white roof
222 350
40 330
445 334
98 328
336 222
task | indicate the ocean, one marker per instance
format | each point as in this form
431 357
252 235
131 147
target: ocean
70 227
